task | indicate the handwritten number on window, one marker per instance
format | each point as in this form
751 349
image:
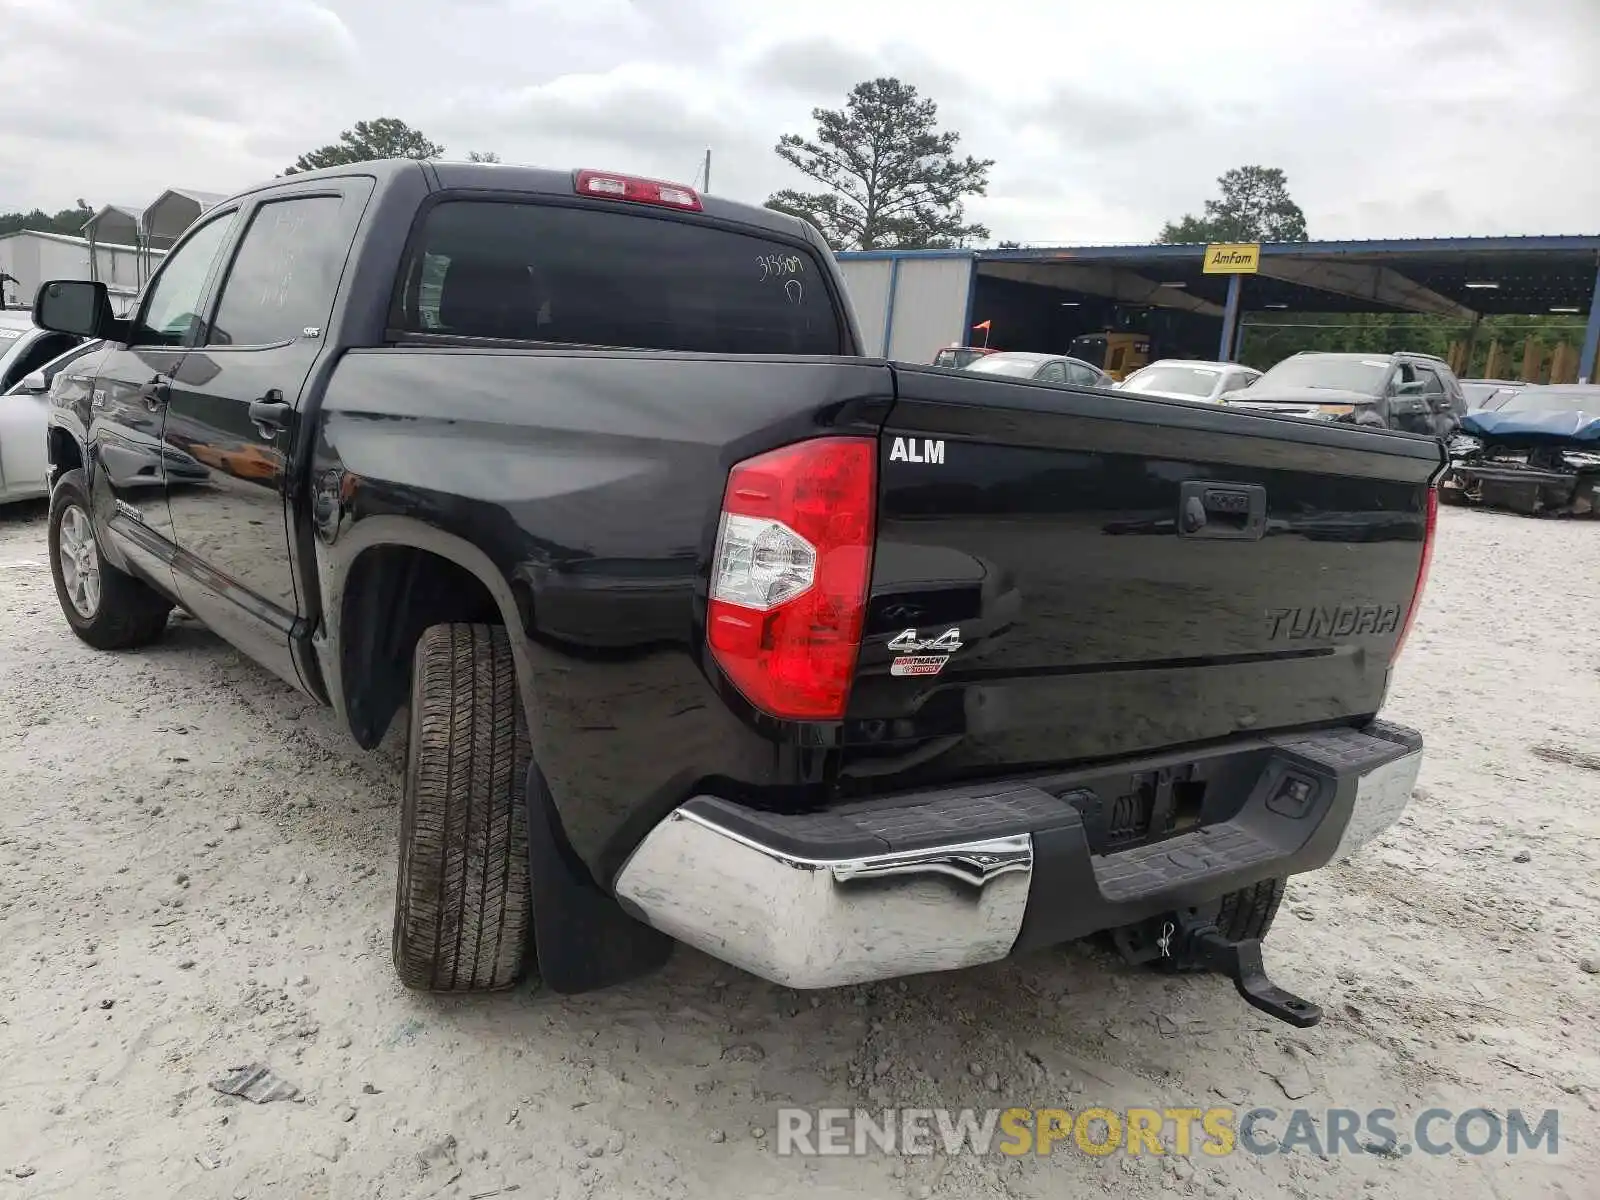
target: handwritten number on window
780 266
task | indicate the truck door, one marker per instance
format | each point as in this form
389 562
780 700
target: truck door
234 408
129 467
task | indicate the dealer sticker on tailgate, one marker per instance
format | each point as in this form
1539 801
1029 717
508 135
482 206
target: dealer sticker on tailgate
926 657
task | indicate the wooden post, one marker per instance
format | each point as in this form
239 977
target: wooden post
1564 366
1495 367
1532 360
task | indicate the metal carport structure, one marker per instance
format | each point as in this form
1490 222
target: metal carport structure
172 212
910 303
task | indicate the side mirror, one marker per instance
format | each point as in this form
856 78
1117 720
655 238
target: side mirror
35 383
75 306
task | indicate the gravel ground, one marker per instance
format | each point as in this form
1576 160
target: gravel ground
196 874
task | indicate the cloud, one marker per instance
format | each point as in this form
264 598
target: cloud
815 66
1389 116
1104 120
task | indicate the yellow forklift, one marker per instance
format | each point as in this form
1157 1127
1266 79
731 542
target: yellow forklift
1116 352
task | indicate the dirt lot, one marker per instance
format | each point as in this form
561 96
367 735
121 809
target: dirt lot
196 874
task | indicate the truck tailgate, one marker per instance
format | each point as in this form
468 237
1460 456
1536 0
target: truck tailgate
1063 576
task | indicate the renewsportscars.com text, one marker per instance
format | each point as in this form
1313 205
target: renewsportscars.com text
1213 1131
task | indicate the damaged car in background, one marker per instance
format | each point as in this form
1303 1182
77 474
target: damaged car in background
1413 392
1539 453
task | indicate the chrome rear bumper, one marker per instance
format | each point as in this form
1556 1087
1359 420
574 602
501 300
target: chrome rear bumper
824 919
812 923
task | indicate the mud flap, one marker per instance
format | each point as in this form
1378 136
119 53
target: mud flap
583 938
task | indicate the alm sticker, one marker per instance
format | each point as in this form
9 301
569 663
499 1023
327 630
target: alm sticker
917 450
918 657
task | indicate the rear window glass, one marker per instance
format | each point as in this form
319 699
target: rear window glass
601 278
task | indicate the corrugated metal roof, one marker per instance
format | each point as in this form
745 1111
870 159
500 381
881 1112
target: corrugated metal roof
64 238
1488 244
1418 247
1454 276
203 199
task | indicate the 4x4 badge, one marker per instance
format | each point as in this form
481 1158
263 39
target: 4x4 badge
916 656
948 642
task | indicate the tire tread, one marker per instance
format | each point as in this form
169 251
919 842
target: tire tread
462 910
1249 912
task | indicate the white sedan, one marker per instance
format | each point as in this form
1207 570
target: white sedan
29 360
1189 379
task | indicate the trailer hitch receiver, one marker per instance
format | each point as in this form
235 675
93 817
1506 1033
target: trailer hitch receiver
1198 944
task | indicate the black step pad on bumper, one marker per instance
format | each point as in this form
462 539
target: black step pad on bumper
1146 870
972 813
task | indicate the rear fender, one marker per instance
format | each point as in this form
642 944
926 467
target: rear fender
334 565
584 939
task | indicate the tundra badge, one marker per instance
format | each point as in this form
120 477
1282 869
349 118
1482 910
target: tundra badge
917 657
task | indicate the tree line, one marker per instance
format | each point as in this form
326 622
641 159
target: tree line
68 221
885 175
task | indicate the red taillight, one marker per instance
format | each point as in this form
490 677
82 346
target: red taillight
1430 528
789 576
609 186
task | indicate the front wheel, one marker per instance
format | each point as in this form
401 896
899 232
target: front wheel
463 910
107 608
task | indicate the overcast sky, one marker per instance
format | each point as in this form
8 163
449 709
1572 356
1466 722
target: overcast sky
1391 117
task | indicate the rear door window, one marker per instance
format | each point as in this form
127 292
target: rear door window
596 277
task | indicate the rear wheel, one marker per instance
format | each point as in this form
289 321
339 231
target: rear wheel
109 609
463 916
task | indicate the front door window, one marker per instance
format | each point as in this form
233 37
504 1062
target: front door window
171 313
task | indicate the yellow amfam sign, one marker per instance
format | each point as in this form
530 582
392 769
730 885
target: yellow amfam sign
1233 258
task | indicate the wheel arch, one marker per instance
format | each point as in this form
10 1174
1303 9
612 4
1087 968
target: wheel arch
438 578
584 938
63 452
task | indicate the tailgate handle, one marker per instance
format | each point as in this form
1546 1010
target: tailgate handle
1222 510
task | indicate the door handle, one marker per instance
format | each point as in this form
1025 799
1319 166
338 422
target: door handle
154 393
1222 510
269 413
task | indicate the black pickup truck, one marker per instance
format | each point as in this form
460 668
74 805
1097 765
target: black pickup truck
708 628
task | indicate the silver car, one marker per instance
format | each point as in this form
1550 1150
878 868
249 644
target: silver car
30 359
1046 368
1189 379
